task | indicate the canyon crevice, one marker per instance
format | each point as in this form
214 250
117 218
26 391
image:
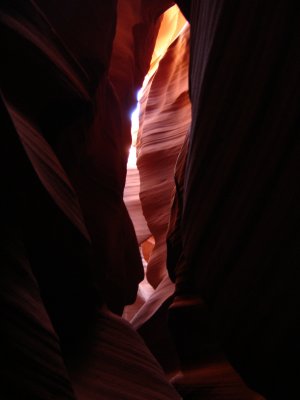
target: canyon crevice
175 276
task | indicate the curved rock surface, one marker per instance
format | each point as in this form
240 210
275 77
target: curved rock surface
62 126
165 118
69 73
133 204
166 59
118 365
240 240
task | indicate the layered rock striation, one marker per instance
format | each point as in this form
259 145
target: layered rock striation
165 119
226 191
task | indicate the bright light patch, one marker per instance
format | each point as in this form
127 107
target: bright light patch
131 163
139 95
134 131
135 122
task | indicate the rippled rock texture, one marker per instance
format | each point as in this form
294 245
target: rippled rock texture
219 181
165 110
67 243
240 192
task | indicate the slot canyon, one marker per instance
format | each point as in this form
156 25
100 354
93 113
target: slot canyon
150 200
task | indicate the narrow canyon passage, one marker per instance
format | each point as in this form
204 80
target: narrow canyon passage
158 137
157 261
